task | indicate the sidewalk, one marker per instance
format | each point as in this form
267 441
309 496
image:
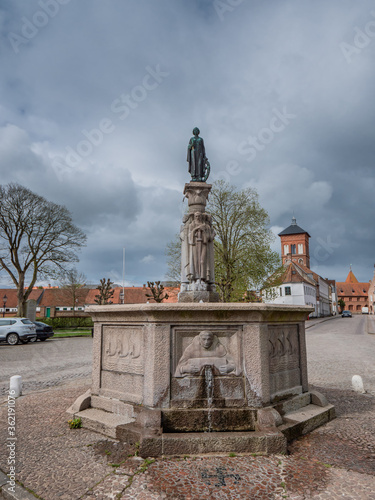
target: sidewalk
371 324
57 463
315 321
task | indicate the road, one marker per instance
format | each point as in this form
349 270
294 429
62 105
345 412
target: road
46 364
336 350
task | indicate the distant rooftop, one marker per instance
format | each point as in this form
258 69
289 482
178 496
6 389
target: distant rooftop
351 278
293 229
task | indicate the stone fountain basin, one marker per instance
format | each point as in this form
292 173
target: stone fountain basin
200 419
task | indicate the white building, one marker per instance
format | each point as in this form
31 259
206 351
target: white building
296 288
299 285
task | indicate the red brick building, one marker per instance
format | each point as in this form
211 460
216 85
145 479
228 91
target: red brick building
295 244
57 302
354 293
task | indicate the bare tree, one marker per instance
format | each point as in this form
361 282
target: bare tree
37 238
105 292
157 290
72 285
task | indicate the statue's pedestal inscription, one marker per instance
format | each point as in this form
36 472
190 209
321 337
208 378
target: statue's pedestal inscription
164 371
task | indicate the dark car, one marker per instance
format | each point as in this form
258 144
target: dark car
346 314
43 331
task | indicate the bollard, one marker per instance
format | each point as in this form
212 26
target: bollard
357 384
16 385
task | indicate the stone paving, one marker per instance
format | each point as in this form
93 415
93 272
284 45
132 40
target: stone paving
335 461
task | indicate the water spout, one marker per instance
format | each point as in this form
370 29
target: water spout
209 379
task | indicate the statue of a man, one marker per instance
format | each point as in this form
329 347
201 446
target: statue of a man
196 156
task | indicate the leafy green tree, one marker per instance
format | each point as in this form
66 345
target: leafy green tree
243 255
341 304
105 292
37 239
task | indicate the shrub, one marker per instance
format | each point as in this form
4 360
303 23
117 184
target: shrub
66 322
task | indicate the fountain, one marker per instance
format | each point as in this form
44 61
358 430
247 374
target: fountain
199 376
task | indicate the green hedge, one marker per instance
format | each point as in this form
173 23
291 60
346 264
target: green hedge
68 322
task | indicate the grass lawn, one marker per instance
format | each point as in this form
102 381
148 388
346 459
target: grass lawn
72 332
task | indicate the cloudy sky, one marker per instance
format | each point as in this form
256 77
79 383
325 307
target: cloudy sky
98 100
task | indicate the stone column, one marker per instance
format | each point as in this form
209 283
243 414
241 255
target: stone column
197 248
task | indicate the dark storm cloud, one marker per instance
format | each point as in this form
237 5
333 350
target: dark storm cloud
99 100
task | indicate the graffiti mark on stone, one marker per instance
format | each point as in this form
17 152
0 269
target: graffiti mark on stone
220 476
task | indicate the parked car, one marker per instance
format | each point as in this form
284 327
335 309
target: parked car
346 314
43 331
365 310
15 330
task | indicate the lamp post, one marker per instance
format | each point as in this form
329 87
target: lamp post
5 298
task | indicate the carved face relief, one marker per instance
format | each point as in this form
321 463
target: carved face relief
206 339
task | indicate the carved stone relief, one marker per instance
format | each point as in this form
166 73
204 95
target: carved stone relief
284 359
205 349
195 348
283 348
123 349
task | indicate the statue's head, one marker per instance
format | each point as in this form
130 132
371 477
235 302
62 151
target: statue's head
198 216
206 339
196 131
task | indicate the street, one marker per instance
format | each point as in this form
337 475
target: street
46 364
338 349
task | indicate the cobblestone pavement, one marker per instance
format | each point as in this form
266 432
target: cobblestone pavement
334 461
45 364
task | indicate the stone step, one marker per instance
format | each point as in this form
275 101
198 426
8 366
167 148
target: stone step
304 420
102 421
197 443
112 405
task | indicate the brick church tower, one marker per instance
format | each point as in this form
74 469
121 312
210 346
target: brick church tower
295 244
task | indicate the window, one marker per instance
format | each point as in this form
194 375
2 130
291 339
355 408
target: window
286 249
358 308
300 261
26 322
300 248
293 249
288 290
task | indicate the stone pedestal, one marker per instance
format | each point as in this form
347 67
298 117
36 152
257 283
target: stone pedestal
204 296
181 378
197 248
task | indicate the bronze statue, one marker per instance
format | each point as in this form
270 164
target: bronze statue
199 166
